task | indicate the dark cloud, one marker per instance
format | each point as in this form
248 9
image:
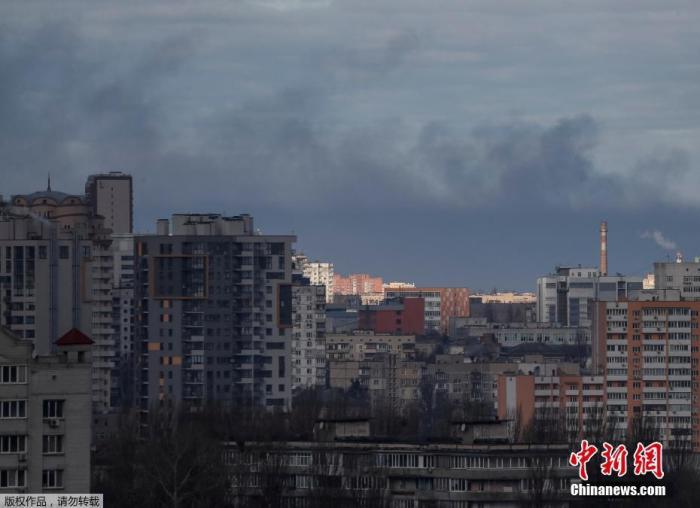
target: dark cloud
72 107
65 111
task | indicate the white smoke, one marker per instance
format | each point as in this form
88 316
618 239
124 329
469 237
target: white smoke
660 239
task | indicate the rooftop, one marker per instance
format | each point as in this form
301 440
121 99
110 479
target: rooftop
74 337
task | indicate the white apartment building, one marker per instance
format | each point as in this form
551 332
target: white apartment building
564 296
683 276
308 336
320 274
45 415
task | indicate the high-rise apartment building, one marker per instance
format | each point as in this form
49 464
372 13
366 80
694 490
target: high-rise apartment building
45 415
564 297
111 196
308 335
320 274
647 349
440 303
56 274
123 318
214 313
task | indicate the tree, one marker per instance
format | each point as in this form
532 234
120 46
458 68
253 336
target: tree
173 461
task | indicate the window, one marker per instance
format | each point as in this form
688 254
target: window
458 485
11 478
52 478
52 444
53 408
13 374
64 252
13 444
13 409
42 251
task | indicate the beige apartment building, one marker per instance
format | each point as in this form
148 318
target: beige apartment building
45 415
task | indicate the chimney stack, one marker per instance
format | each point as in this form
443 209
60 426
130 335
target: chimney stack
604 248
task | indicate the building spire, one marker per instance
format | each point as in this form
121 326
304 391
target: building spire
48 188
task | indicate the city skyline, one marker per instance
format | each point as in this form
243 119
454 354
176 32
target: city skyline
652 241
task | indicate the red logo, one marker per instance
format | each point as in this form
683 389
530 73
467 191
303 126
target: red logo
615 459
647 459
582 458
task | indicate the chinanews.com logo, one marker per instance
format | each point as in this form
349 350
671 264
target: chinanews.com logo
647 460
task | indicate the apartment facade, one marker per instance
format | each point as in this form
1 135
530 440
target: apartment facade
440 303
362 345
399 475
682 276
565 296
370 289
391 382
214 316
319 274
406 316
579 401
308 336
123 319
56 274
514 334
45 415
111 196
648 350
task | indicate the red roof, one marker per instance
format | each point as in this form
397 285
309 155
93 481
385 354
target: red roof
74 337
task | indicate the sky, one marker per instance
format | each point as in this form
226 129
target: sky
460 143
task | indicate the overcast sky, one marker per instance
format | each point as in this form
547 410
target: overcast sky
441 142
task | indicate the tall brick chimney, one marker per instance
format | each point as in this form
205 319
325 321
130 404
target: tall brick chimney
604 248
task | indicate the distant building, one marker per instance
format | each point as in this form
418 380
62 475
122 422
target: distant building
362 345
45 415
341 319
514 334
462 382
214 315
308 336
320 274
649 281
370 289
506 297
577 399
683 276
440 304
111 196
391 381
564 296
399 284
404 316
498 312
